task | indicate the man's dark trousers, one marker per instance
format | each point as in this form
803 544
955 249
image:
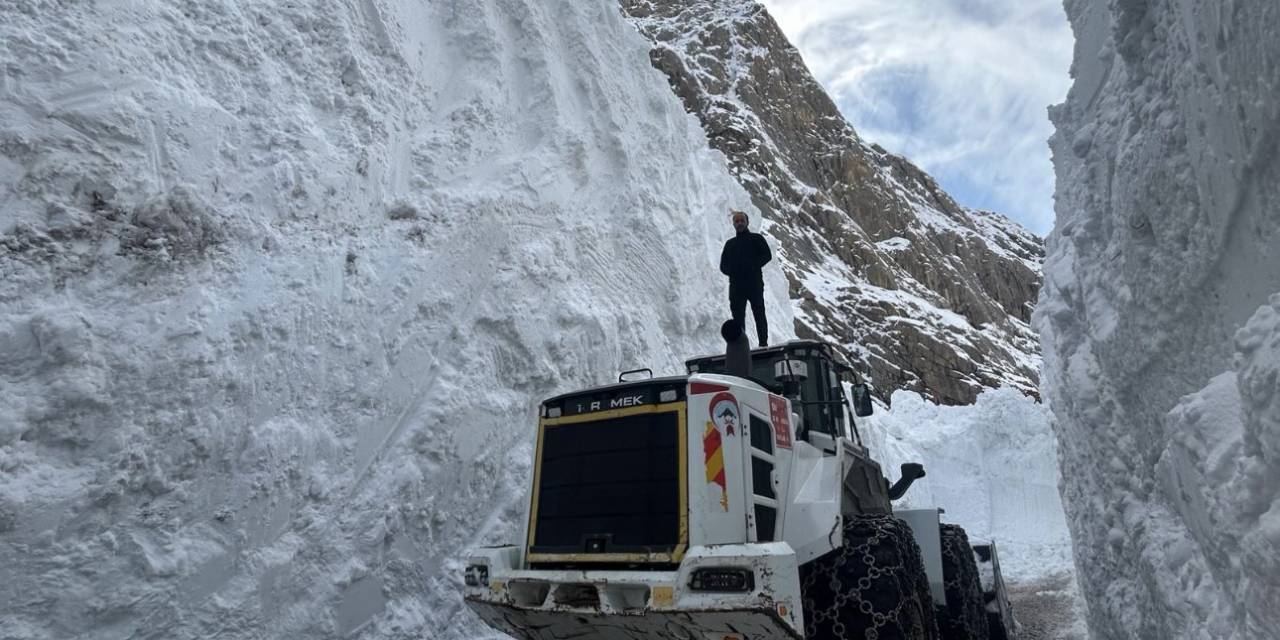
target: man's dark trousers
739 296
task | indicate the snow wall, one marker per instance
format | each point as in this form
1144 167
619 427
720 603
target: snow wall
991 466
283 283
1160 320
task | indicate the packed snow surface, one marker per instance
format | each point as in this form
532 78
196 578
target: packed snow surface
1160 317
282 285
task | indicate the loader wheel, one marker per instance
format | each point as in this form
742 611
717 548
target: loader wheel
965 616
873 586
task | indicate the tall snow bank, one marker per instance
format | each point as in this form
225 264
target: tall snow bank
283 282
1167 242
992 466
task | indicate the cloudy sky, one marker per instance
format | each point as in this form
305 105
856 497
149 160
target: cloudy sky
960 87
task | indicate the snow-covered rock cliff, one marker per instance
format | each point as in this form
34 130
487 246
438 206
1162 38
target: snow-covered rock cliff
919 291
282 283
1159 315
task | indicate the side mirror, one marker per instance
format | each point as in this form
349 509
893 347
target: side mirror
911 471
862 400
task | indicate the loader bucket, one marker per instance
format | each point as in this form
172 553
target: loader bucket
541 624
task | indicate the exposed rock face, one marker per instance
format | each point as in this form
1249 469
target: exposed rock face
926 294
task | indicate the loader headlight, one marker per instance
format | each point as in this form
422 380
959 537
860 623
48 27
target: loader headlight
722 579
477 575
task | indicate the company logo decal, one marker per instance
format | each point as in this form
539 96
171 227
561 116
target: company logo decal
724 422
724 412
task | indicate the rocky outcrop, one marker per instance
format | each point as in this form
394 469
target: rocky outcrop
923 293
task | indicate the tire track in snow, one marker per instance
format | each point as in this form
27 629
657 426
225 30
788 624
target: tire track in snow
495 236
453 265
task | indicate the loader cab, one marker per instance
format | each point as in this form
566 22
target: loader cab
813 378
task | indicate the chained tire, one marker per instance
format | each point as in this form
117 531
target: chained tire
872 587
965 615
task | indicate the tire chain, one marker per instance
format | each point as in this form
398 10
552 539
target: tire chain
965 616
872 588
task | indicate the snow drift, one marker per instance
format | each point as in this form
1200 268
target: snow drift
1158 316
283 282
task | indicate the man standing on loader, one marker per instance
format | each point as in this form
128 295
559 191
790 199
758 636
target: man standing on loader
743 257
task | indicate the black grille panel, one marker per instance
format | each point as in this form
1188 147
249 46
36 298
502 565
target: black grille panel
610 486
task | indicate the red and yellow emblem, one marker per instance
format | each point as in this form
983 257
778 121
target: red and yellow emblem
724 419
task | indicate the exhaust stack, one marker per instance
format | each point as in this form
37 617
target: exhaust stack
737 349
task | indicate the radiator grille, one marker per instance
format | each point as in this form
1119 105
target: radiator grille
610 486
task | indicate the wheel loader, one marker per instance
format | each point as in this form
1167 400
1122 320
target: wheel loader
729 505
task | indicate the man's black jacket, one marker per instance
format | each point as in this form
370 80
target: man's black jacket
742 258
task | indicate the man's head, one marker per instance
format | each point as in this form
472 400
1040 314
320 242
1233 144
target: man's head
739 221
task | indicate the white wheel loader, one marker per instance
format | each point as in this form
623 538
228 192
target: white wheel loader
728 505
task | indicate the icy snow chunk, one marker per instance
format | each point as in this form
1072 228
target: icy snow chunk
53 368
1257 361
1221 471
1204 432
62 337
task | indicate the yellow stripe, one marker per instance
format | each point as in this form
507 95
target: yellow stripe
678 552
537 482
715 465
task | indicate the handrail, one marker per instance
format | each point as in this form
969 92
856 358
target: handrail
624 373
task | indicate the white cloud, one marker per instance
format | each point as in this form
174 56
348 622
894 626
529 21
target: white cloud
960 87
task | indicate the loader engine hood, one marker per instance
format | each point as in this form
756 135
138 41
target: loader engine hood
610 485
